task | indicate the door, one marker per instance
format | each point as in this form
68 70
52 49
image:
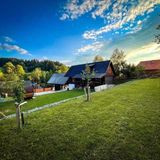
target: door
109 80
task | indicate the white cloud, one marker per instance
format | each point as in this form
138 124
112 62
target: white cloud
73 10
116 32
94 33
117 19
64 16
102 6
8 39
145 52
66 62
139 22
134 29
10 47
96 46
90 35
117 14
45 58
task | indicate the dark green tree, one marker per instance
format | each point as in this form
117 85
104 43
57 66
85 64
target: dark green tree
19 92
129 71
19 98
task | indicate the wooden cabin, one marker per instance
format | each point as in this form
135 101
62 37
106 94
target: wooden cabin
104 74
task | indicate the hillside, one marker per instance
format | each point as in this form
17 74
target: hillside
122 123
30 65
8 108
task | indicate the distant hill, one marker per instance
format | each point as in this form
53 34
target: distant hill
30 65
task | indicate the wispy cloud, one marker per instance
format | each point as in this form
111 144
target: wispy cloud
145 52
121 16
101 7
73 10
96 46
8 39
66 62
117 14
10 47
64 16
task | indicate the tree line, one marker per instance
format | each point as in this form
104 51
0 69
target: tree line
30 65
12 69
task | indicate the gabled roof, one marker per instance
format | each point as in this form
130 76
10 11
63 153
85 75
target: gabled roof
97 75
58 78
99 68
150 65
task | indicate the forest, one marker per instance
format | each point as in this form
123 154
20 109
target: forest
12 69
30 65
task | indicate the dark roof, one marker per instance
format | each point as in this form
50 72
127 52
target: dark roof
150 65
58 78
97 75
28 86
28 83
99 68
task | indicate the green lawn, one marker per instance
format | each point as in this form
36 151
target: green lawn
122 123
9 107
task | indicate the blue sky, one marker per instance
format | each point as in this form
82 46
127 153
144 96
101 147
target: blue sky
75 31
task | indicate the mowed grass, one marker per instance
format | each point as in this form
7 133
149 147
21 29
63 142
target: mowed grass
9 107
122 123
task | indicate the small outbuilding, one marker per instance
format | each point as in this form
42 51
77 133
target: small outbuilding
151 67
58 80
29 90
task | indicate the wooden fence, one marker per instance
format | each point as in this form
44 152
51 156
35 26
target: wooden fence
43 89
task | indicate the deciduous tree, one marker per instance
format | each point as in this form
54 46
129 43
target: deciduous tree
36 75
118 60
98 58
87 75
11 77
2 78
62 69
19 92
19 98
20 71
9 68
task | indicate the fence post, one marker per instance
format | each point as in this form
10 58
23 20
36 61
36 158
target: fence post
18 116
22 119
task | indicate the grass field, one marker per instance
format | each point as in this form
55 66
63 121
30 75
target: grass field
122 123
9 107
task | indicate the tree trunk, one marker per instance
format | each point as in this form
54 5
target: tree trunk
22 119
88 92
18 116
85 92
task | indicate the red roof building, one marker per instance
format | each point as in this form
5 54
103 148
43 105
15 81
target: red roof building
151 67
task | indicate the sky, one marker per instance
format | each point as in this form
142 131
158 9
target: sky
74 31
